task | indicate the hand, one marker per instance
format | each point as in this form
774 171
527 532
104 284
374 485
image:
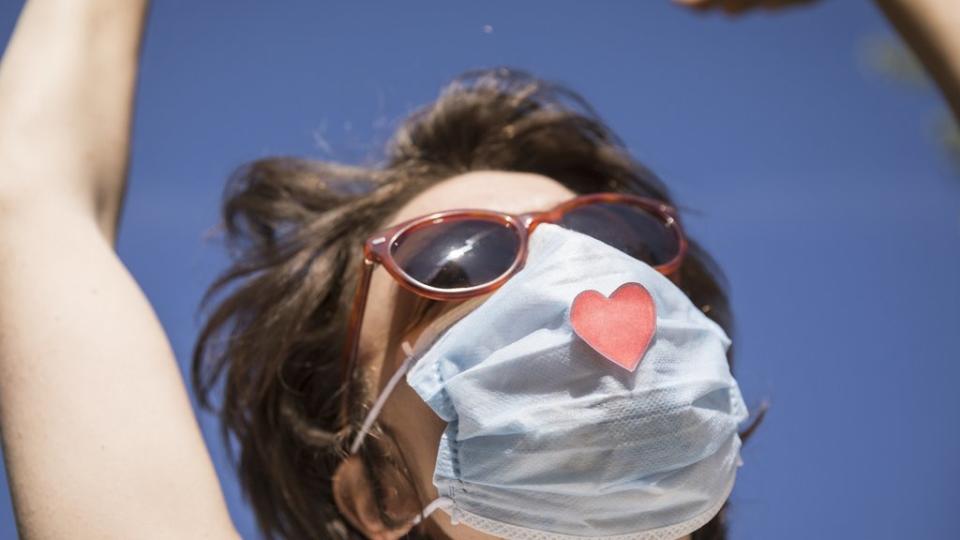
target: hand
739 6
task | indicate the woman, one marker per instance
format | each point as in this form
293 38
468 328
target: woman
286 323
98 433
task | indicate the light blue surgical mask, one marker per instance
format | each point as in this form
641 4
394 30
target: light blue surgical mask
546 438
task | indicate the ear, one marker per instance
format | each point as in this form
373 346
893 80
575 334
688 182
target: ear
355 500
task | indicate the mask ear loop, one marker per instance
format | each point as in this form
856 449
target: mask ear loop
439 502
427 337
382 398
432 332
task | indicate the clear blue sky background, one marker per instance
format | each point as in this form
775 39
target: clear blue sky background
819 184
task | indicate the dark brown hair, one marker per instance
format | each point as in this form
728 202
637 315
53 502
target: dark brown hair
294 228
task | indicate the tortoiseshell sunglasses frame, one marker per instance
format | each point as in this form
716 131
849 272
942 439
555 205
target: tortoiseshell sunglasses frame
376 250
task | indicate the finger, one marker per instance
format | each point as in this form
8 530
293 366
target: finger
699 5
775 4
739 6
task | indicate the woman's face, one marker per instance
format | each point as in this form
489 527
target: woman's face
415 427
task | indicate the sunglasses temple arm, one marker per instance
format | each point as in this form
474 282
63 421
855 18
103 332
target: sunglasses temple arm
354 323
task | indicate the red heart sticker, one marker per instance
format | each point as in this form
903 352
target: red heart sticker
620 327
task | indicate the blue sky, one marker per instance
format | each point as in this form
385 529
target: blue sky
818 183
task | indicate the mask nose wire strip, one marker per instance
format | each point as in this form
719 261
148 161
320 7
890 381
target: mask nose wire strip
382 398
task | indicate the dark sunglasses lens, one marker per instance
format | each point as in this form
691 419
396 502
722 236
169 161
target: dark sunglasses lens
629 228
457 253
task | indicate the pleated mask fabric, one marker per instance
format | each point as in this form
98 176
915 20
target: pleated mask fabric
547 439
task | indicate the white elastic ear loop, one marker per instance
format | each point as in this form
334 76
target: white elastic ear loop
440 502
431 332
382 398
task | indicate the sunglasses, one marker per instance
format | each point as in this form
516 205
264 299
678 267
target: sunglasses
461 253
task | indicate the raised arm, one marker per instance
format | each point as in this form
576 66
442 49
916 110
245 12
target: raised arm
98 434
932 29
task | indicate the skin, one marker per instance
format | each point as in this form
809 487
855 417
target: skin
99 437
